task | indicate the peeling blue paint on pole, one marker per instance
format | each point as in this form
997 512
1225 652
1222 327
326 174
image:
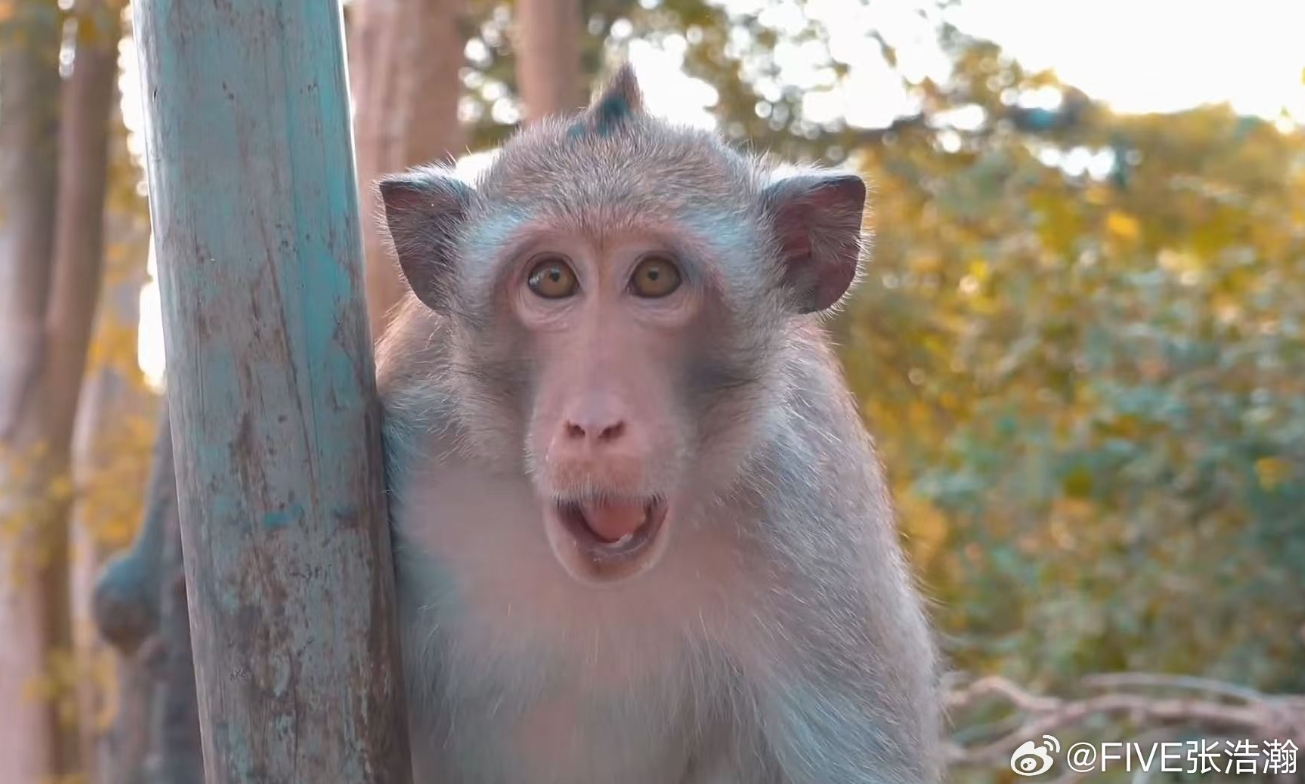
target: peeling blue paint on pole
275 421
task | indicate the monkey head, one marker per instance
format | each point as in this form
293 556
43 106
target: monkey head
616 293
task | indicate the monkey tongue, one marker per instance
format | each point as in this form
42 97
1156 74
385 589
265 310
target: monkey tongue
612 521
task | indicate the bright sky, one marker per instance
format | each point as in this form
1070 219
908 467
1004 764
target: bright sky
1137 55
1159 55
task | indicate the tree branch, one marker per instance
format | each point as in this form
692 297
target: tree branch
1253 715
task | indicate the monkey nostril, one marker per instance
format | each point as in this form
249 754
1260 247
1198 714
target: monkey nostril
612 432
595 433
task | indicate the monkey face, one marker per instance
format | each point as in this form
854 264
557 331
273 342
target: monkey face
609 328
618 294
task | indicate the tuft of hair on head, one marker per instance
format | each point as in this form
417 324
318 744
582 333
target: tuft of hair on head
620 100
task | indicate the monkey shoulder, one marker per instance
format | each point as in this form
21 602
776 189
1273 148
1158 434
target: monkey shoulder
820 437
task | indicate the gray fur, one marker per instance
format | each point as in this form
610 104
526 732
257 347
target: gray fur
825 673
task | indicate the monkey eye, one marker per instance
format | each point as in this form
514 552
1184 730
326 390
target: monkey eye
655 277
552 278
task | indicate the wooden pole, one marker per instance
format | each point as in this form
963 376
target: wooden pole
275 422
548 57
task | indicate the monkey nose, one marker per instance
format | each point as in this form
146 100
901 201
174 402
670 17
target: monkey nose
593 422
593 431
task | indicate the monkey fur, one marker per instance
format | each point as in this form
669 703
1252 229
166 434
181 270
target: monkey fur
755 622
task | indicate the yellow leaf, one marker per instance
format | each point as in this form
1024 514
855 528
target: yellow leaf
925 262
60 487
1096 194
1077 483
1122 225
1272 472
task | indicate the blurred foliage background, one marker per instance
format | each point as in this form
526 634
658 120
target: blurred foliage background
1080 343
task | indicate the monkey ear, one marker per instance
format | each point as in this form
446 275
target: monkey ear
619 100
817 222
424 209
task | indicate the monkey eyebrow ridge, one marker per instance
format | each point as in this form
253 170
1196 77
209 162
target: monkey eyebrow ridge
688 249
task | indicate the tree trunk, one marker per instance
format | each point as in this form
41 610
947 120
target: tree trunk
47 407
79 251
33 562
122 752
271 392
115 416
83 182
127 603
109 465
548 57
140 605
404 61
175 729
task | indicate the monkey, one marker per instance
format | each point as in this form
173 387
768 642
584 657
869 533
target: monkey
641 534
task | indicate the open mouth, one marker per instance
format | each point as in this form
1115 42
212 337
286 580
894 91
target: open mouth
604 540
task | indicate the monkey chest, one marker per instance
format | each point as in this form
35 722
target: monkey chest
518 674
524 717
